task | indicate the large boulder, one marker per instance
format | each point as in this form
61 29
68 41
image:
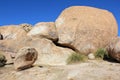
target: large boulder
11 37
25 57
44 29
12 32
114 49
14 45
85 29
48 52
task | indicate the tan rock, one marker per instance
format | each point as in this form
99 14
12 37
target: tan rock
91 56
25 58
114 49
48 52
12 32
13 38
85 28
26 27
91 70
44 29
9 57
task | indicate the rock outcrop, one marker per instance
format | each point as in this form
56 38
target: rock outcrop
44 30
25 58
85 28
114 49
48 46
12 32
26 27
92 70
48 52
79 28
13 35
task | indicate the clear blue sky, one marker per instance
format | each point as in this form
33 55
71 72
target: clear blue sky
33 11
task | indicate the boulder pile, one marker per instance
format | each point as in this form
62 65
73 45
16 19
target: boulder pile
78 29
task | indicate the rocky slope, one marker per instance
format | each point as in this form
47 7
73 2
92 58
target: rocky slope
43 50
91 70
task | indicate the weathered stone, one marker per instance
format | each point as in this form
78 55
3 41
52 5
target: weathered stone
49 53
2 60
12 32
26 27
91 56
44 29
13 38
114 49
25 58
91 70
9 56
85 28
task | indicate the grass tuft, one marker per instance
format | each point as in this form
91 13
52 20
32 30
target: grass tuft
101 53
75 58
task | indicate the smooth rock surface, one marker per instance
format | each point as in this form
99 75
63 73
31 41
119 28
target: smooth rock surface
44 30
91 56
48 52
86 28
12 32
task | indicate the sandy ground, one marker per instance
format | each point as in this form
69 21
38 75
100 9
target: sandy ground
90 70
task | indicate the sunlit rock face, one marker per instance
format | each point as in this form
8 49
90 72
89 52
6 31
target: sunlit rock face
85 28
12 32
44 30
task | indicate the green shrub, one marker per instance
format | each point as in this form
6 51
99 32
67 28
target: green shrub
101 53
76 57
2 60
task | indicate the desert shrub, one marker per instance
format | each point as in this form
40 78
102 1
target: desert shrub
101 53
76 57
2 60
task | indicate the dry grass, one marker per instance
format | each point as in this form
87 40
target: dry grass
101 53
76 57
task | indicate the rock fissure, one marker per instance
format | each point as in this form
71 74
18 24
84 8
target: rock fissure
64 45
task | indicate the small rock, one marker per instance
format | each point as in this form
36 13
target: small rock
25 58
91 56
